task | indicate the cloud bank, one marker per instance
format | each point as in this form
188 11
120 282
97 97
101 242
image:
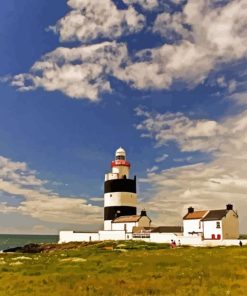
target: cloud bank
199 38
203 185
17 180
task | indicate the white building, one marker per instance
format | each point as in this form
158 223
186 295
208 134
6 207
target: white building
192 224
212 224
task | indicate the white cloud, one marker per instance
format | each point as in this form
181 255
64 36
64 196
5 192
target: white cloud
239 97
145 4
153 169
205 41
161 158
229 85
208 185
16 179
187 159
168 25
154 5
78 72
97 199
190 135
92 19
18 173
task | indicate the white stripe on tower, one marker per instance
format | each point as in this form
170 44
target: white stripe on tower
115 199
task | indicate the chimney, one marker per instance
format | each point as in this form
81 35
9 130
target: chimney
190 210
143 212
229 207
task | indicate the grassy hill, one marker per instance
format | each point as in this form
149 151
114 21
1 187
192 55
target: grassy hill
124 268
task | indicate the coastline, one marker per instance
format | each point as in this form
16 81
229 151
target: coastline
18 240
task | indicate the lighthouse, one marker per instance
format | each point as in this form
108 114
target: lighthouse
120 198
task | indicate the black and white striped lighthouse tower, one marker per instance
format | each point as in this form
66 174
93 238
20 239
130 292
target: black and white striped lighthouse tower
120 197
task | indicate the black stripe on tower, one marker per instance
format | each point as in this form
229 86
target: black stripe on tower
111 213
120 185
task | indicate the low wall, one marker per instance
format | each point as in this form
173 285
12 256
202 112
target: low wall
197 242
162 237
112 235
71 236
168 237
226 242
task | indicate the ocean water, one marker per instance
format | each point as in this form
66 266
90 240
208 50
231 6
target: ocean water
18 240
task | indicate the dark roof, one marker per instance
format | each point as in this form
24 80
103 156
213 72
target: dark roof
215 215
195 215
168 229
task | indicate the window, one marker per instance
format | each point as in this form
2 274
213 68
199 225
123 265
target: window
120 157
199 224
217 224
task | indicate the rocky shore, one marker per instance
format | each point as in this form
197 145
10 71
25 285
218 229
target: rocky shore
42 248
103 245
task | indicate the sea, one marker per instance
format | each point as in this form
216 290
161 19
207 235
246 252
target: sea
18 240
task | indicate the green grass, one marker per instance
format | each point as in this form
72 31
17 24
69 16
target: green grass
125 268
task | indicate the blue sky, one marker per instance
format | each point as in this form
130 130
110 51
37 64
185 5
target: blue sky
164 79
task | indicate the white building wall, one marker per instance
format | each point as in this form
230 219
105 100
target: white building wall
124 226
189 241
210 229
112 235
156 237
191 225
71 236
167 237
107 225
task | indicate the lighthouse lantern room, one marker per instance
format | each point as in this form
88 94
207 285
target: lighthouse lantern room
120 198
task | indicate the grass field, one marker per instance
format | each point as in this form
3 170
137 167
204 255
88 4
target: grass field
129 268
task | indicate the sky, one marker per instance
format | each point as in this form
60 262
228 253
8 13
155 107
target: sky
166 80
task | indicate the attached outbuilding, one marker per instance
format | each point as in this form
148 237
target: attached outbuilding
127 223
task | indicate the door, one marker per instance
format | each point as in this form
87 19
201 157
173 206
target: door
213 236
218 236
